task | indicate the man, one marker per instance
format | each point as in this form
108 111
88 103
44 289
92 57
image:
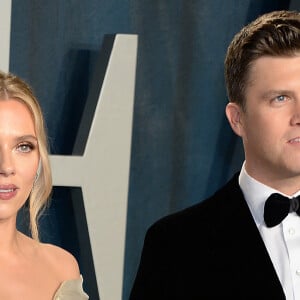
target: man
223 248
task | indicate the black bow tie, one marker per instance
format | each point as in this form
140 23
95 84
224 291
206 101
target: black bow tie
277 207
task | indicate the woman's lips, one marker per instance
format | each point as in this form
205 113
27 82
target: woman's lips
7 191
294 140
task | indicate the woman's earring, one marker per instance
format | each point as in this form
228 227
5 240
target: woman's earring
36 177
38 171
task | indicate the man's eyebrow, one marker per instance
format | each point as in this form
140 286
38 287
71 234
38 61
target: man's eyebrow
273 93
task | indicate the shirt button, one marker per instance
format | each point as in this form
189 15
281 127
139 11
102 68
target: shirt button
298 272
291 231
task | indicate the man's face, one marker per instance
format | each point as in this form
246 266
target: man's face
270 124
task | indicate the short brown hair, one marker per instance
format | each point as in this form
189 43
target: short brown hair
273 34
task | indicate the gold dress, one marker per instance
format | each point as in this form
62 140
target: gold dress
71 290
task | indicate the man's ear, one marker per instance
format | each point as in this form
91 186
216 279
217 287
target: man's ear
234 113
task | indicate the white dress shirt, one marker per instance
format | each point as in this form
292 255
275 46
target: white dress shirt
281 241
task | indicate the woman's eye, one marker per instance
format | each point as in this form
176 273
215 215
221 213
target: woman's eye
25 147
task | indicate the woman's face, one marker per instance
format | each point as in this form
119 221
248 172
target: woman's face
19 157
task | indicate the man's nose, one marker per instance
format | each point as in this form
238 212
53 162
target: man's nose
295 120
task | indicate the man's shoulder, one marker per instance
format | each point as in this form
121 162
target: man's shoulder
202 213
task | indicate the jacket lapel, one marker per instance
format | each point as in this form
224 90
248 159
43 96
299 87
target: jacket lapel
243 248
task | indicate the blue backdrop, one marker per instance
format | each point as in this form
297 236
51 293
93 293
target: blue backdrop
182 146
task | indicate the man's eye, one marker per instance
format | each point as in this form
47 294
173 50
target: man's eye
280 98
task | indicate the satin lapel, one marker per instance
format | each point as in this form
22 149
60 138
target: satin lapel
242 246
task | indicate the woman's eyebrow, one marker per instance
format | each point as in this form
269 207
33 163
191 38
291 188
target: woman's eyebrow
26 137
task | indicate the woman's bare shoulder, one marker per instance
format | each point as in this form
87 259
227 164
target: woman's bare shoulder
61 261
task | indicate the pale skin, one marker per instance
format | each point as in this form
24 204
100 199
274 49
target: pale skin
270 124
28 269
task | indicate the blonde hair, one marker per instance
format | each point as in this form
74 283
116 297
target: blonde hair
12 87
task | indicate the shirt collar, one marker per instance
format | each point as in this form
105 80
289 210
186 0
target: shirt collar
256 194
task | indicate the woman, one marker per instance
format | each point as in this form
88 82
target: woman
29 269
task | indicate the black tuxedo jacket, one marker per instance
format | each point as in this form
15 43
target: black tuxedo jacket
212 250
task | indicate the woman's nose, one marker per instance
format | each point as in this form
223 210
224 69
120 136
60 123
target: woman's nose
6 164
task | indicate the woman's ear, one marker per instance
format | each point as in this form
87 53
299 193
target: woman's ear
234 114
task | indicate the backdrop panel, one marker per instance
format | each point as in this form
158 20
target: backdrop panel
182 146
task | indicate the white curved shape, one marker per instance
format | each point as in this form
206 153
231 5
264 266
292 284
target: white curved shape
5 19
103 171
